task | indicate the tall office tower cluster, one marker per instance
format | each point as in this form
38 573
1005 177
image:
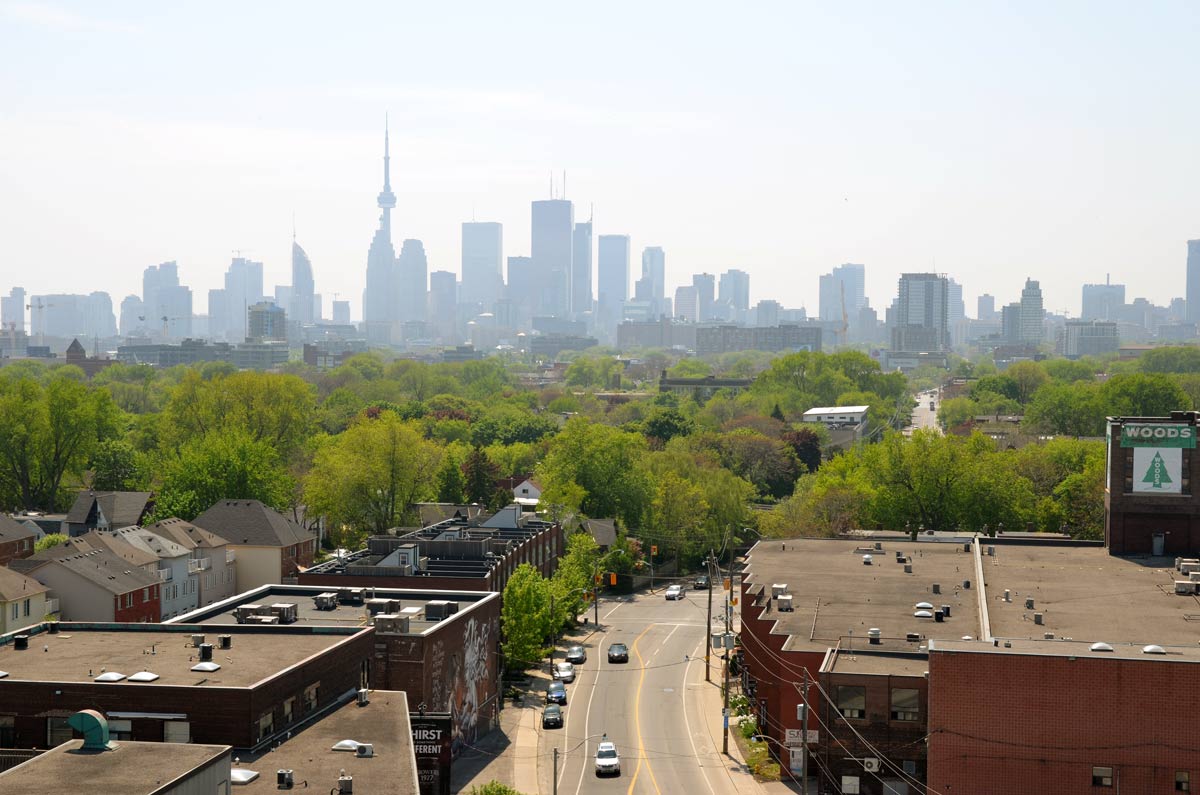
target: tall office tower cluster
1023 322
64 315
733 295
920 323
229 307
379 295
552 242
482 264
842 293
166 304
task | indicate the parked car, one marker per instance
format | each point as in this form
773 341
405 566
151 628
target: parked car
576 655
564 672
701 583
552 717
618 652
675 592
608 763
556 693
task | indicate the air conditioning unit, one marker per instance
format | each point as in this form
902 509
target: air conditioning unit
871 764
364 749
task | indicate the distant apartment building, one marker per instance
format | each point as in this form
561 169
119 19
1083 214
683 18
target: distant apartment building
729 339
1192 306
1087 338
733 294
661 333
687 304
1103 302
266 322
842 292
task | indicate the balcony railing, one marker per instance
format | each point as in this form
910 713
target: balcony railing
198 564
230 556
165 575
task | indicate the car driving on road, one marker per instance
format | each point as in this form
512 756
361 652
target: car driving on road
556 693
564 672
576 655
674 592
618 652
701 582
608 763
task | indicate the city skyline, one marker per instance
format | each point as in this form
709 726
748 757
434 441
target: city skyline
1050 186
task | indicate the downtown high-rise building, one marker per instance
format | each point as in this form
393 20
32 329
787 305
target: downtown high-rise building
612 282
842 293
920 321
64 315
228 308
654 273
482 263
706 295
985 307
956 306
443 306
300 306
687 304
167 304
341 313
521 292
1032 329
1102 301
12 310
733 293
379 314
132 318
1192 296
410 286
581 269
552 244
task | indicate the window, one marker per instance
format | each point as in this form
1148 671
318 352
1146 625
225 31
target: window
289 707
120 729
1102 777
905 704
312 695
26 608
58 731
1183 781
16 610
145 594
8 732
852 701
910 767
266 725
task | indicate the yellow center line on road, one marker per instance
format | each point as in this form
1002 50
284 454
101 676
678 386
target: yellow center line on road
637 719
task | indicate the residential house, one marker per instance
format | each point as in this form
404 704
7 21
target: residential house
179 576
95 584
107 510
16 540
22 601
603 532
527 492
268 547
133 556
209 556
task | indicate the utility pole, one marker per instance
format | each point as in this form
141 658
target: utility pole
708 626
804 736
728 642
596 600
725 733
555 791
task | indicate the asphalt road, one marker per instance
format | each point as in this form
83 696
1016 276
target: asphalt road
922 417
650 707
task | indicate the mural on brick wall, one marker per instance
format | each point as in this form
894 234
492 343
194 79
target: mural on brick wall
470 675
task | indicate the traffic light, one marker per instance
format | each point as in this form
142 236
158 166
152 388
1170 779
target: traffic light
725 583
612 578
599 579
654 549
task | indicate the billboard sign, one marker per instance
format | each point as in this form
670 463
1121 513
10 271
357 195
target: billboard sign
1158 434
1157 470
431 737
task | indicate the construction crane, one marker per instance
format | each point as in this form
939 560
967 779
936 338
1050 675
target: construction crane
42 307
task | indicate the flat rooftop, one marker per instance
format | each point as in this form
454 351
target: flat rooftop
132 768
383 722
348 616
1087 594
835 595
80 654
1071 648
862 661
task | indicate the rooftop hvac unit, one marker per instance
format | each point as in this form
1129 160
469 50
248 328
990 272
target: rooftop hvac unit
326 601
284 779
197 640
784 603
1194 576
364 749
871 764
364 696
382 606
411 613
391 624
285 611
1188 566
778 590
350 596
225 641
1186 587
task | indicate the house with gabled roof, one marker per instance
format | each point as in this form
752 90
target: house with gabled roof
209 556
16 539
94 584
22 601
269 548
107 510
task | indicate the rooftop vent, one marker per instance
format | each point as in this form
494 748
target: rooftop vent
1037 618
924 606
197 640
778 590
94 728
225 641
867 560
912 637
908 568
1101 646
967 637
1153 649
1029 603
3 674
878 546
346 745
206 667
937 587
20 642
365 750
874 635
784 603
240 775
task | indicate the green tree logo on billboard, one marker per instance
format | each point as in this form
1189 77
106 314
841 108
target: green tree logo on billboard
1156 473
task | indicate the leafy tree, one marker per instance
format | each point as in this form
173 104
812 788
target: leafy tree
1028 378
525 618
679 509
370 476
604 463
998 384
806 446
573 579
777 413
221 465
920 479
690 367
1066 409
116 466
451 485
49 541
480 476
1141 395
507 424
664 424
47 432
1172 359
957 411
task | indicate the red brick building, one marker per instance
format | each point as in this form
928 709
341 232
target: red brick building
16 540
95 584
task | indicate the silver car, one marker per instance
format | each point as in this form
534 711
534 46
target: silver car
564 672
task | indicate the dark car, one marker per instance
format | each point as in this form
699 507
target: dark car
576 655
552 717
701 583
618 652
556 693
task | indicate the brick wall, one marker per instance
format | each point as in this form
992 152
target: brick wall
136 607
1004 723
15 548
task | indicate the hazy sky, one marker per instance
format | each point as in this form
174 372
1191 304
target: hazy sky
989 141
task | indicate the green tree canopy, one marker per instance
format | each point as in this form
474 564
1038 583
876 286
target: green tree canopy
226 464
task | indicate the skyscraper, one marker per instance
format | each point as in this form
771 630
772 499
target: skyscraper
300 308
613 266
411 283
132 312
654 270
243 289
1192 297
482 263
581 269
956 307
985 307
166 302
443 306
706 294
552 241
687 304
733 290
842 291
1102 301
921 314
379 295
12 310
341 313
1033 316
